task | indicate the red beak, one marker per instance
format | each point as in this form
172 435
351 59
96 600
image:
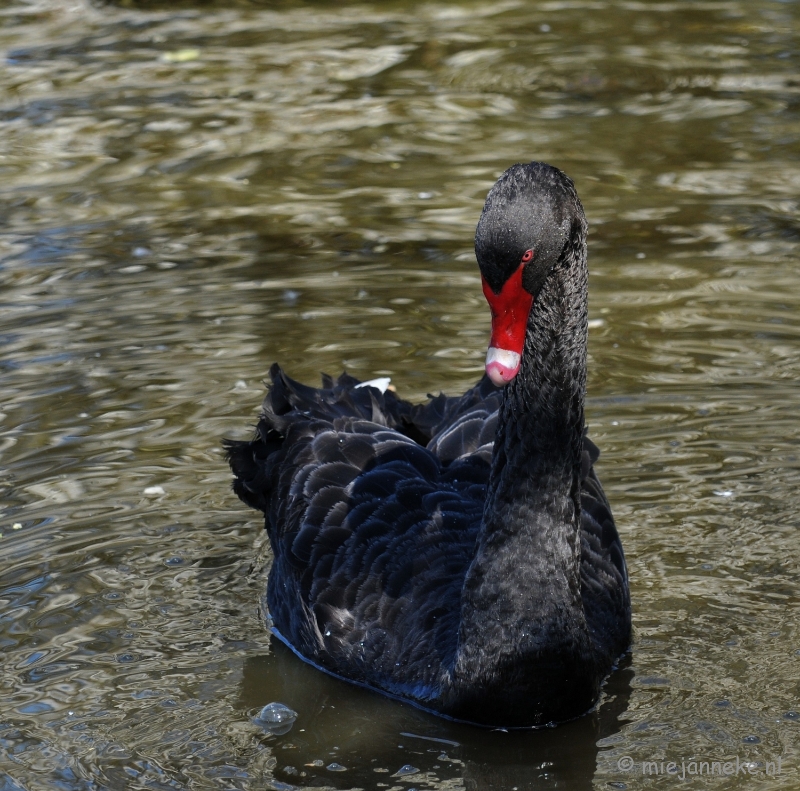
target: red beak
510 310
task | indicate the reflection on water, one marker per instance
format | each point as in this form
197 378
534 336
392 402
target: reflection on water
191 191
372 736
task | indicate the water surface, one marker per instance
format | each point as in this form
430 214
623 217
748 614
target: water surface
191 191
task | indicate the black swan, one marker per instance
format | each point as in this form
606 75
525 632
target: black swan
459 554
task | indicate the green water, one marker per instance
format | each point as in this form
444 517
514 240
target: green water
191 191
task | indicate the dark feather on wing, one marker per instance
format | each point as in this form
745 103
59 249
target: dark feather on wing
373 507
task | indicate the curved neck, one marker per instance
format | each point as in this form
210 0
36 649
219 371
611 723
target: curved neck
539 440
522 591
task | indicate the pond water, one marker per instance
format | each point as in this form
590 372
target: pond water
191 191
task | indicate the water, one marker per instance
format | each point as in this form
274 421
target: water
191 191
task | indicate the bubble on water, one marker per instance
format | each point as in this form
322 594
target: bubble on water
751 740
276 718
403 771
334 767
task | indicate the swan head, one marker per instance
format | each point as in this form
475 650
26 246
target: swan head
528 219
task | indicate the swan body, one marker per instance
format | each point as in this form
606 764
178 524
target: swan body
458 554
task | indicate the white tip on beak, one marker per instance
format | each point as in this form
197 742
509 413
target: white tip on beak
502 365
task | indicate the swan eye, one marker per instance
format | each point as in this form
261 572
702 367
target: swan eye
527 256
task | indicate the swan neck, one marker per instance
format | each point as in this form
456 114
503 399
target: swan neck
539 444
522 596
